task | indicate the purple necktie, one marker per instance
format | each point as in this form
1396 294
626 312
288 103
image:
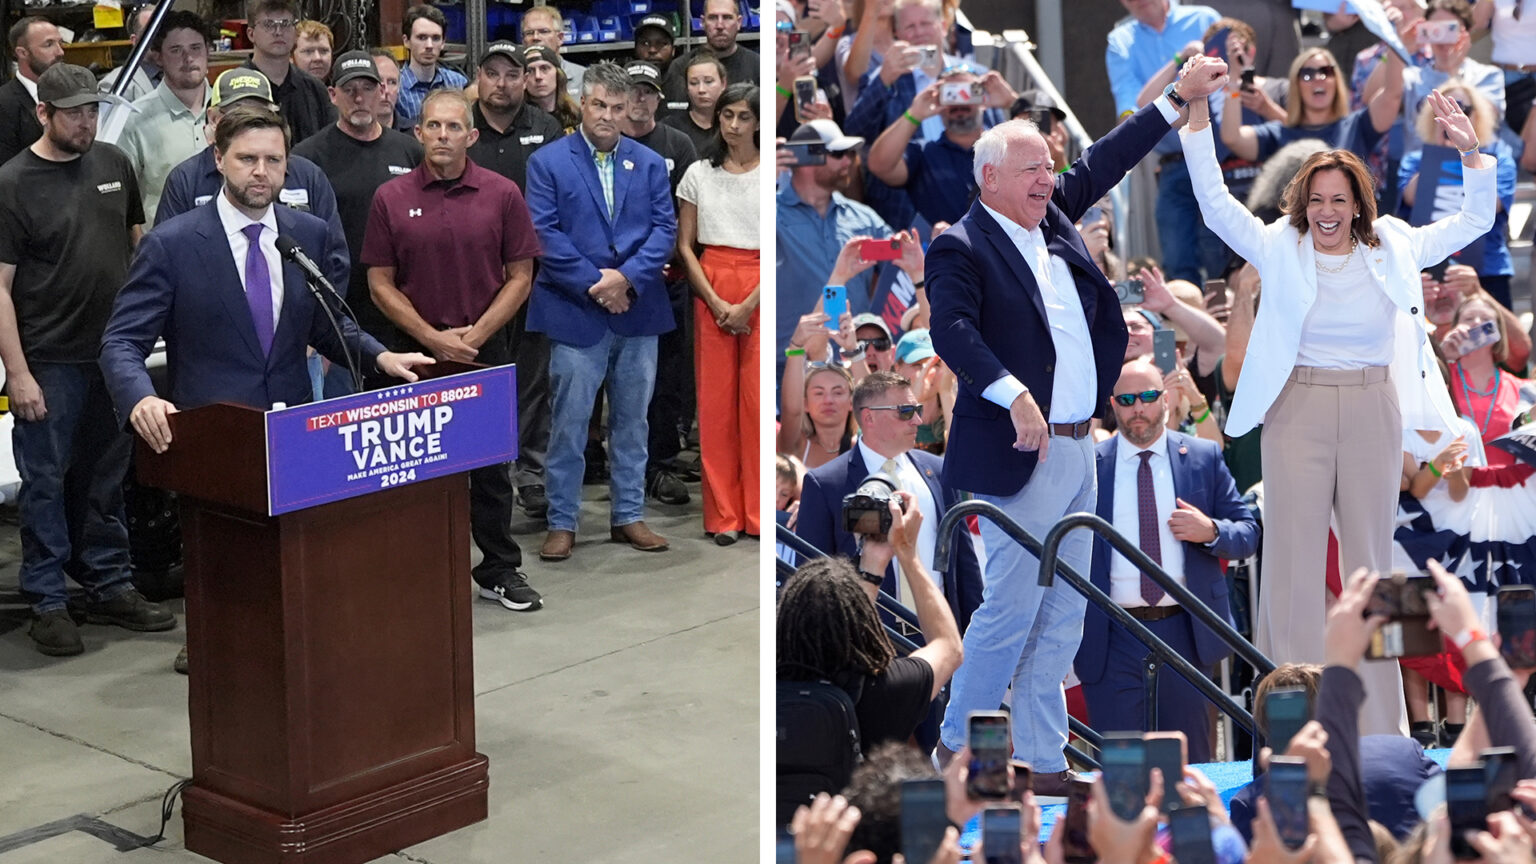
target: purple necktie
1146 513
258 287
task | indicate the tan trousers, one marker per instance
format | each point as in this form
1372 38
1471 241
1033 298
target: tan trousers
1332 445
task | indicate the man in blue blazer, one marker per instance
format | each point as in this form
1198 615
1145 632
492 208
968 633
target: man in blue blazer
1193 518
1033 331
602 207
194 282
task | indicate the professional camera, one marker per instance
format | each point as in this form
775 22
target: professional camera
867 509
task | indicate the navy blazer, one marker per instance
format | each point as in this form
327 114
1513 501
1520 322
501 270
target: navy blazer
183 285
565 199
1201 479
820 523
988 317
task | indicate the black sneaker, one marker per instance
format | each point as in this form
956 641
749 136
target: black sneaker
514 593
534 502
56 635
132 611
664 486
1424 732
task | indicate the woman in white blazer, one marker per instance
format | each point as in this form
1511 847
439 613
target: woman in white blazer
1338 365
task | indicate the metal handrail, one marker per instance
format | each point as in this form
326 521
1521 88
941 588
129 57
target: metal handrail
1159 653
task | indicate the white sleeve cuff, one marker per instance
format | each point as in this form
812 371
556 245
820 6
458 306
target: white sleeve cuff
1004 390
1170 113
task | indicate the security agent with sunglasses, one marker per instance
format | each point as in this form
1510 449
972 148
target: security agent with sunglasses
1173 495
888 416
1032 329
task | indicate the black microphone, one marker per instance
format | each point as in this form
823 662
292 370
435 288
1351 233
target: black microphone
289 249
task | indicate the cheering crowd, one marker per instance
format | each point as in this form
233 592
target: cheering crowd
1320 375
597 226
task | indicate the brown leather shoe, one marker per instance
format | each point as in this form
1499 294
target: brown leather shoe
1056 784
639 536
557 545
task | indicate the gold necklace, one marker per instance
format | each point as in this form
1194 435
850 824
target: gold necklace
1353 242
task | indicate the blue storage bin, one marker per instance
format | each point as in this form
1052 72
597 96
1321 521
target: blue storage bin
456 27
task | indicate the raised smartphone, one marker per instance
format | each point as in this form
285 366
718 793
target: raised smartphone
834 302
1286 711
1123 759
1164 350
1286 791
880 249
991 746
1000 835
1075 847
1466 801
923 820
1191 830
1517 625
1166 752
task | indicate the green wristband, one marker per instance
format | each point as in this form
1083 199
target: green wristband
783 91
1435 471
1204 417
794 352
913 120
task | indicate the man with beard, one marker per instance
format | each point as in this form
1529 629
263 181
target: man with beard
937 173
722 22
147 76
35 45
166 127
450 282
674 384
358 155
70 213
1159 486
510 131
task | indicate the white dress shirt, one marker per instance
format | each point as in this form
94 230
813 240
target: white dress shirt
911 480
1125 577
1074 384
234 230
28 85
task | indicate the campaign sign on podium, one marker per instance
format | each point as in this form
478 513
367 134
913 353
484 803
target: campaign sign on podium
342 448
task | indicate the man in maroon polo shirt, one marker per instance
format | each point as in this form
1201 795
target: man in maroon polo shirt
449 250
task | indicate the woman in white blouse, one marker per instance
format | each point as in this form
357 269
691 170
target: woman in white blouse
1338 365
717 210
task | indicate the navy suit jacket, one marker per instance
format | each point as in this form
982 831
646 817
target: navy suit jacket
565 199
1201 479
821 523
988 318
183 285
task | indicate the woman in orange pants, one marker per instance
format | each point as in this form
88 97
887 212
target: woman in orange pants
717 209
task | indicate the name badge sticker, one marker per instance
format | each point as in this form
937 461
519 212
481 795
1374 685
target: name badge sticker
294 197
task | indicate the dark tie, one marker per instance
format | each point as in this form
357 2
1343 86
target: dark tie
1146 515
258 287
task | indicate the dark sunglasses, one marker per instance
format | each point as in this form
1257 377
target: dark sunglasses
840 154
1465 108
904 413
1126 400
784 26
879 343
1310 72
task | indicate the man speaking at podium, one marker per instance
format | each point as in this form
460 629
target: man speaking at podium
236 318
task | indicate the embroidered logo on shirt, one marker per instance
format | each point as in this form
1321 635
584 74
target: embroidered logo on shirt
106 188
531 139
397 170
414 212
201 200
670 165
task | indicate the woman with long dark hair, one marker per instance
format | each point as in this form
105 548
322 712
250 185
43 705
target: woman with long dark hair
1339 364
717 210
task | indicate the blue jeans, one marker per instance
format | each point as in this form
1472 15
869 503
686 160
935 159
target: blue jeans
1024 634
1188 246
628 364
72 464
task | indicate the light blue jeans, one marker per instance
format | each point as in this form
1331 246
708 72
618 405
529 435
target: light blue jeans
1023 634
628 365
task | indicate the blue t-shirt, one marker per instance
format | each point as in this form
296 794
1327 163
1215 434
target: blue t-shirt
1353 132
940 179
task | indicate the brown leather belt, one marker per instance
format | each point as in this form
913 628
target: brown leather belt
1071 430
1153 613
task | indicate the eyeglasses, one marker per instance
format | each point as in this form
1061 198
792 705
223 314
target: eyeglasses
1126 400
904 413
539 32
785 26
840 154
1320 72
879 343
278 25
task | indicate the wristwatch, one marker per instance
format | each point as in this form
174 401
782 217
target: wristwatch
871 578
1172 92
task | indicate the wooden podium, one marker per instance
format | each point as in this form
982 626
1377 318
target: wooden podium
332 687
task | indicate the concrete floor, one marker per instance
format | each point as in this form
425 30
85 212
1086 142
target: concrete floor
621 720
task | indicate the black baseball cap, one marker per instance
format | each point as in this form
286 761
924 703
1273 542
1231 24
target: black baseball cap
353 65
66 85
644 72
239 83
507 50
662 21
1032 99
535 53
